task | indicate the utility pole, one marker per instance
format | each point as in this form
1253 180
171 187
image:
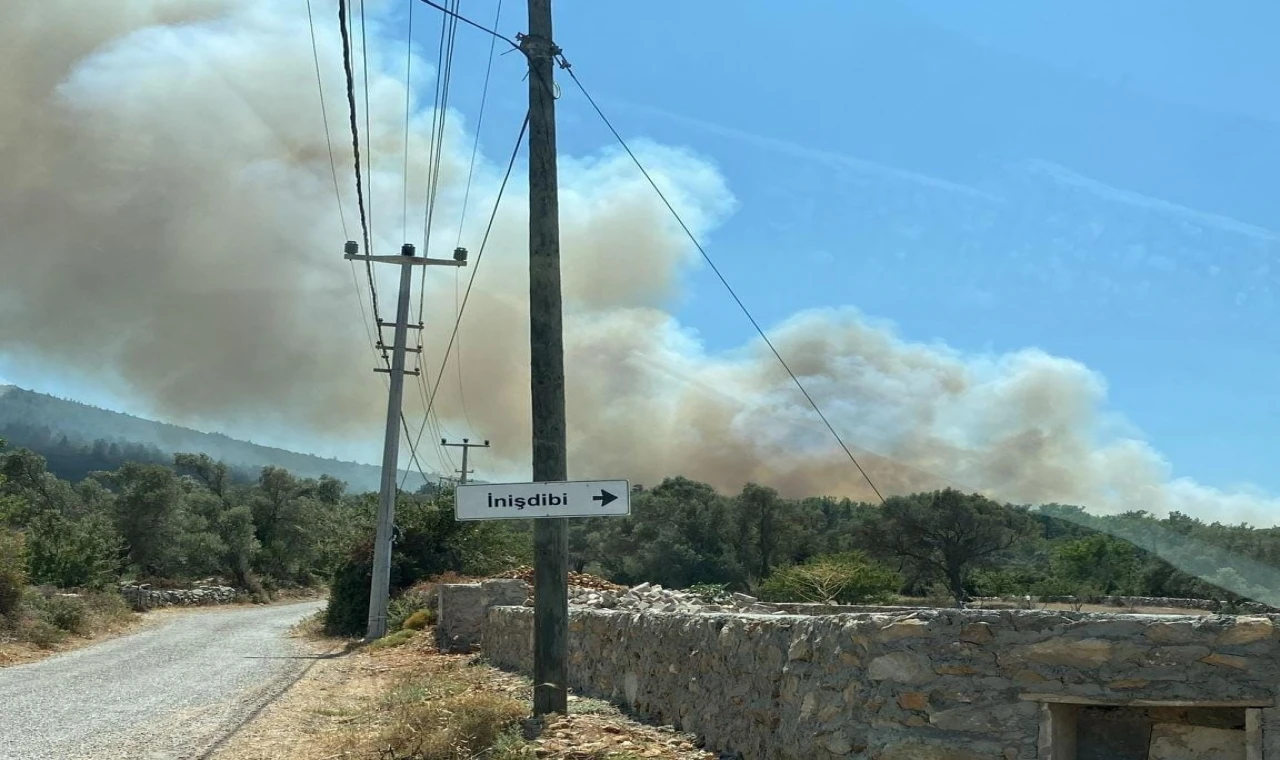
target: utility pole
546 365
381 583
465 446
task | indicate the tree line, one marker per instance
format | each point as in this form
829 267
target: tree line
947 544
192 518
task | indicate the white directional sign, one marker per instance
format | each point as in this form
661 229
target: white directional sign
521 501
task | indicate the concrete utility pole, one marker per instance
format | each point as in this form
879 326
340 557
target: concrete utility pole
380 586
546 342
465 446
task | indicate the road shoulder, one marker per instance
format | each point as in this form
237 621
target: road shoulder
359 702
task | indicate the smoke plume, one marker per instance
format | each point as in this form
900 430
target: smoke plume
170 235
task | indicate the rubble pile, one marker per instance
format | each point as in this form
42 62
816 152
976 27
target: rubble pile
649 597
579 580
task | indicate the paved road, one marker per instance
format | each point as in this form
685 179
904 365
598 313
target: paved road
169 692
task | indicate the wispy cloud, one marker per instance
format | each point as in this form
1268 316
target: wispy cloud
1068 177
825 157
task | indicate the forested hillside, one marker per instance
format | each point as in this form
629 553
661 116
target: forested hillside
78 439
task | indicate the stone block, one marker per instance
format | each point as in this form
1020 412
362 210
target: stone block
1173 632
1125 684
901 667
1246 630
916 750
905 629
913 700
1171 741
1175 655
1076 653
967 719
1226 661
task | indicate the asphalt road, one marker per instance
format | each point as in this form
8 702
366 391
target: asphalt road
170 691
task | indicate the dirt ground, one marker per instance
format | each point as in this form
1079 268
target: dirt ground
342 708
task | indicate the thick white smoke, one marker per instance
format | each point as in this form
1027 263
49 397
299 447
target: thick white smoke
170 232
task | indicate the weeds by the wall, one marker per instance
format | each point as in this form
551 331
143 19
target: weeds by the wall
44 619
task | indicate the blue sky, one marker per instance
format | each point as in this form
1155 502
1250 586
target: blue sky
1096 179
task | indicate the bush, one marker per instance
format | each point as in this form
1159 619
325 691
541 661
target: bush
13 571
106 608
420 597
40 632
68 613
392 640
711 593
840 579
347 613
419 620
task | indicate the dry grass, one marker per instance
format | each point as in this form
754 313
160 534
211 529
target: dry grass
409 702
46 625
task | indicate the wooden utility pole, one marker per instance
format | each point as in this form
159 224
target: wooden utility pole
380 584
546 365
465 446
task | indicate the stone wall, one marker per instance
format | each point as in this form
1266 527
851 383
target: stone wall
924 685
1208 605
143 597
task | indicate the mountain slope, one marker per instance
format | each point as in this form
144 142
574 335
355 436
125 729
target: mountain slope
55 427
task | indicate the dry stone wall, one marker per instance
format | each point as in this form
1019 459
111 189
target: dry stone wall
143 597
923 685
1208 605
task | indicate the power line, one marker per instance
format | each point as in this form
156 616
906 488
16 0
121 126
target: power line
763 335
475 267
408 96
475 144
754 323
469 22
408 92
440 103
444 80
328 137
457 355
333 167
466 198
343 17
413 453
368 130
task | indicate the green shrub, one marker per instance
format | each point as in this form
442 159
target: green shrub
842 579
68 613
392 640
711 593
347 612
13 571
40 632
408 604
418 620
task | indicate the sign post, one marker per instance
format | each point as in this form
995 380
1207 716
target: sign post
550 502
522 501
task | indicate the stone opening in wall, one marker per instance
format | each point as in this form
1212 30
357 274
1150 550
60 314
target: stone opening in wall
1077 728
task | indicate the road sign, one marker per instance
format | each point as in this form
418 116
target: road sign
522 501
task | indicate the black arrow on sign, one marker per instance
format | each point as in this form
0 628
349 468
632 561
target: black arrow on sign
604 498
